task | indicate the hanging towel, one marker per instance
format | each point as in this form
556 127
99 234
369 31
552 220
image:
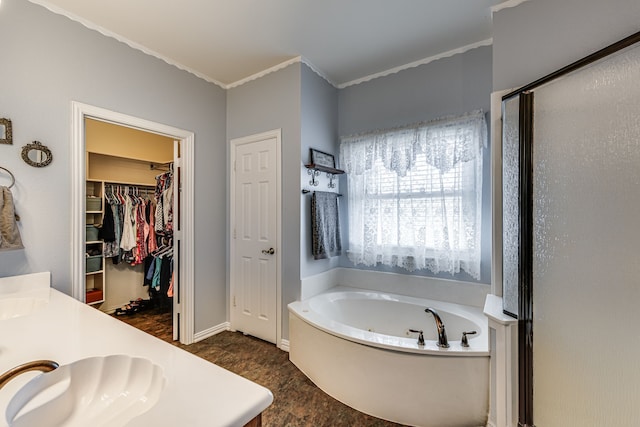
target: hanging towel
9 233
325 225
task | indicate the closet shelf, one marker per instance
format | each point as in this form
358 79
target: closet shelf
92 273
326 169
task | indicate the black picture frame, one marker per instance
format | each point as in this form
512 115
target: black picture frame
320 158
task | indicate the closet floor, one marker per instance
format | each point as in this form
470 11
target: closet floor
296 400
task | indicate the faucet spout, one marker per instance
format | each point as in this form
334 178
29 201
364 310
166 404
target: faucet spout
442 334
38 365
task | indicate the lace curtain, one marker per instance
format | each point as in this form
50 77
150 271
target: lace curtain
415 195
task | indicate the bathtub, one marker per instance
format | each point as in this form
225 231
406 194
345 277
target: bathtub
356 346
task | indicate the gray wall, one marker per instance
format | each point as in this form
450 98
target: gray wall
449 86
319 118
273 102
48 61
541 36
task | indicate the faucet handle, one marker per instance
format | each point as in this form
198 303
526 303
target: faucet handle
464 342
420 336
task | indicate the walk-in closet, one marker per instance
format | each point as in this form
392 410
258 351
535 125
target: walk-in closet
129 220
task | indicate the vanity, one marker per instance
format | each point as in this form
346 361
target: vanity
38 322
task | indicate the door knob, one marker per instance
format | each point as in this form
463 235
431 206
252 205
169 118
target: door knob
269 251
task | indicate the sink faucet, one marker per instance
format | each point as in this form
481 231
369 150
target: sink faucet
442 334
37 365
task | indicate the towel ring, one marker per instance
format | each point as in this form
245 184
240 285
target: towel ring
13 178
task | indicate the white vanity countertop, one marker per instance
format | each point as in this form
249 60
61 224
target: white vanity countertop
197 392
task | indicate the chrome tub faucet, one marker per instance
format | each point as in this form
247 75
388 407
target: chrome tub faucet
442 334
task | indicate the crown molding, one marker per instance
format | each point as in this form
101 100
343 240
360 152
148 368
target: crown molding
92 26
505 5
263 73
318 72
297 59
463 49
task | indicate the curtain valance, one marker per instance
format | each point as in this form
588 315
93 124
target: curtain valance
446 142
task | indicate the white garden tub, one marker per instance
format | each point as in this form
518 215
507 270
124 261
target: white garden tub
356 346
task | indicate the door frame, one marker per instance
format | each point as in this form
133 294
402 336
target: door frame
79 112
277 134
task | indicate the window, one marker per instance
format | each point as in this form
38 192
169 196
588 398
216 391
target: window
415 195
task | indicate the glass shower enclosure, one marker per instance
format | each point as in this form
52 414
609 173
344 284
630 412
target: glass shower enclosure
577 258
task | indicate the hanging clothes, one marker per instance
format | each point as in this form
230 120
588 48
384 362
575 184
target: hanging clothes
111 223
142 232
128 241
151 242
125 213
140 250
159 271
164 199
107 232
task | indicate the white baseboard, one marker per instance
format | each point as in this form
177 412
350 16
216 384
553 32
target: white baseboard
226 326
199 336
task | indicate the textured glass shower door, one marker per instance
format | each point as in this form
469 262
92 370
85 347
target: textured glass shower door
586 246
510 205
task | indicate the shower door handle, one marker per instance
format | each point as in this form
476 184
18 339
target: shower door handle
269 251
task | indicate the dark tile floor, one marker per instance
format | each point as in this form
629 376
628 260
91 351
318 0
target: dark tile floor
297 401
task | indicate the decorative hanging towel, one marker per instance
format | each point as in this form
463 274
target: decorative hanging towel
9 233
325 225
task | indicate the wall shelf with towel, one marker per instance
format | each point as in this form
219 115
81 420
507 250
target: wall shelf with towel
314 170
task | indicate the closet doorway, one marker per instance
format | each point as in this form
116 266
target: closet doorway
129 221
118 157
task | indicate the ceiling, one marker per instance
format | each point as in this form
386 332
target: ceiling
346 41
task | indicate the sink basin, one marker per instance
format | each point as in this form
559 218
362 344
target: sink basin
97 391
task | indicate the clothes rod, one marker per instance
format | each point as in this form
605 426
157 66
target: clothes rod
305 191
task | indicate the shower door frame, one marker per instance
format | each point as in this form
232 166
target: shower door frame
525 270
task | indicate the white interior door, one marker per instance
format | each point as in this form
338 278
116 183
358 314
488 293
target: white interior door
254 240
